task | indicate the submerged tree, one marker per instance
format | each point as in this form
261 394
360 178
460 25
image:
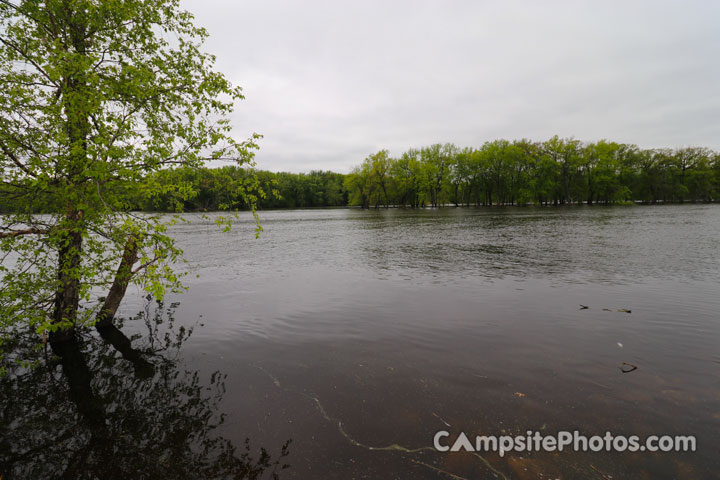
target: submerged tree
96 96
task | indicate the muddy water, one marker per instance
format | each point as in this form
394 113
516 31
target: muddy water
360 334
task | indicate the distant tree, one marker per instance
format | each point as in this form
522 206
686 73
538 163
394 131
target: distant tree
566 153
436 161
406 172
357 183
379 177
689 160
460 177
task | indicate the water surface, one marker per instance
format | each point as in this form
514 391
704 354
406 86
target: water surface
399 322
359 334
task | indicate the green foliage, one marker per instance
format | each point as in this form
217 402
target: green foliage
557 171
206 189
98 101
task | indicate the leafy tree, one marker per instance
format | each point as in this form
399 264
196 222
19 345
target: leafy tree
603 165
648 176
436 160
460 177
566 154
96 97
369 183
379 178
407 174
493 161
357 183
524 162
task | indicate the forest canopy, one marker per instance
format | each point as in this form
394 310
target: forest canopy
522 172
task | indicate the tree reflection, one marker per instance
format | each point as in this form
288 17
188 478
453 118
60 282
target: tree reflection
108 406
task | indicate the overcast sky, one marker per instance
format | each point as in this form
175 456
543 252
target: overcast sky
329 82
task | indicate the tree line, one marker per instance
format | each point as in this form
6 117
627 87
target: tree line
233 187
191 189
559 171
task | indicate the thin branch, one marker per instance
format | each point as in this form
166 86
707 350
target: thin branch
145 265
16 160
30 60
28 231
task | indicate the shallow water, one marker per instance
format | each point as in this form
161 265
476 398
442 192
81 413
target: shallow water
360 334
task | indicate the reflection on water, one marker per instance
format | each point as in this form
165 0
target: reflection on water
599 245
361 334
119 407
348 329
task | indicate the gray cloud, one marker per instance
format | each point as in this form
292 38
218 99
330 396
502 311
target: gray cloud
328 82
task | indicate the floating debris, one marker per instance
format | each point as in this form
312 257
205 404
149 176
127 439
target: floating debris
518 394
620 344
627 367
622 310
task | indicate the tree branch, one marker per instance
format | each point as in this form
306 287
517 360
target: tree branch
29 60
28 231
16 160
145 265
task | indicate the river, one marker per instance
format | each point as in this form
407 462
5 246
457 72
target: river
360 334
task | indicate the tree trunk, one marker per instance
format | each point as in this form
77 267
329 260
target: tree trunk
120 283
67 296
